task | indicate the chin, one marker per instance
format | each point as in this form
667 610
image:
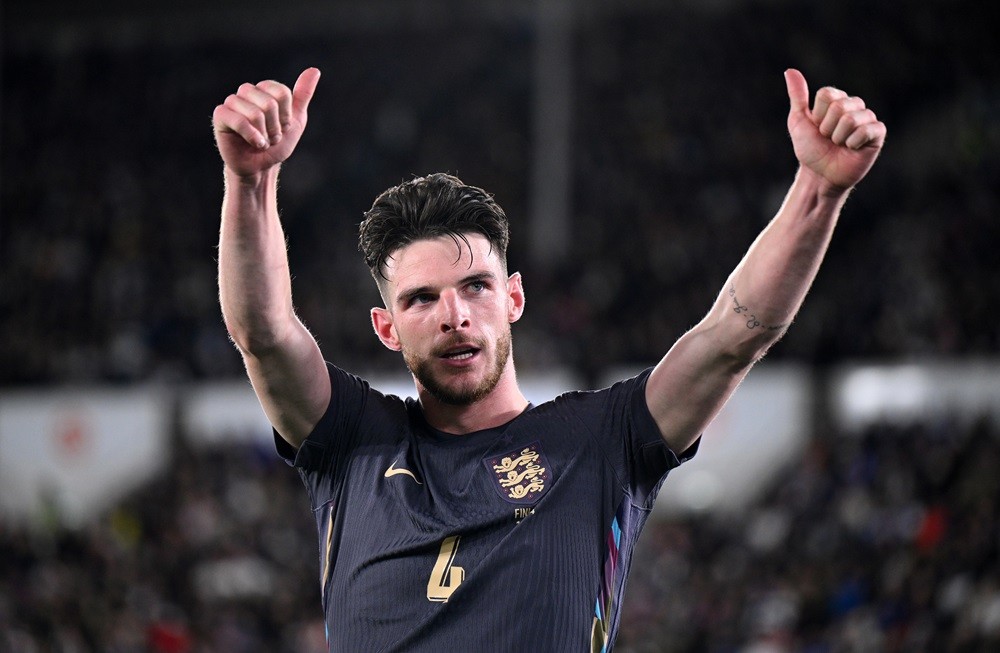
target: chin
461 390
458 394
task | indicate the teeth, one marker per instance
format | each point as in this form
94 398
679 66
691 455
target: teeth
461 356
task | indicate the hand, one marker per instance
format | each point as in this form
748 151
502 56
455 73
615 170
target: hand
259 126
838 140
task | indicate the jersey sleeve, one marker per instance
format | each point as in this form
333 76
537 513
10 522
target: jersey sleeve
651 459
632 442
337 430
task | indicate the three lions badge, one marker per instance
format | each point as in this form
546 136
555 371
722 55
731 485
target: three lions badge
521 475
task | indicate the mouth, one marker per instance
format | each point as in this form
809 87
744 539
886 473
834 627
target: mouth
459 353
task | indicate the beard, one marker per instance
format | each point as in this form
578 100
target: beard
461 395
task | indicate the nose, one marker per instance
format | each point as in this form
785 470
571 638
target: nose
454 312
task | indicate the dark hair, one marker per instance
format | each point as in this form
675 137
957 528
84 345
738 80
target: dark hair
430 207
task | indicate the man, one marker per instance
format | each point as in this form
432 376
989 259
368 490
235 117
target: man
469 519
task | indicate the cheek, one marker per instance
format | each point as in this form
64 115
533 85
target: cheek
411 331
499 317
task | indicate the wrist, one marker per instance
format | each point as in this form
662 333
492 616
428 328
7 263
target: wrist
823 188
251 182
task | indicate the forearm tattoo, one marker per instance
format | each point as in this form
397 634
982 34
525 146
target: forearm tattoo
752 321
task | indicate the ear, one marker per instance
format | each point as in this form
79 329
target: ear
385 329
515 298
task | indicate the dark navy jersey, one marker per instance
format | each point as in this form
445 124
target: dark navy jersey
515 538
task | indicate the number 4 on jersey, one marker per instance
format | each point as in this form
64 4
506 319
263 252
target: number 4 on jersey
445 578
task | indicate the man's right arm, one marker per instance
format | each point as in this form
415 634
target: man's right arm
256 129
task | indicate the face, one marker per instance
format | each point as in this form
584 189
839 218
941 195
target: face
449 307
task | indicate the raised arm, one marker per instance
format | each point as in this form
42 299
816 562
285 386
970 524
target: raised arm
836 143
256 129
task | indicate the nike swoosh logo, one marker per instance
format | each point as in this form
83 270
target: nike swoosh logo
393 470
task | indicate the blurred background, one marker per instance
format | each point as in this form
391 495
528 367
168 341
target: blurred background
846 500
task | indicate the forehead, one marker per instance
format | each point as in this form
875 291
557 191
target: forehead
435 261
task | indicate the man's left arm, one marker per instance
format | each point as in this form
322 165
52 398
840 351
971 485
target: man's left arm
836 142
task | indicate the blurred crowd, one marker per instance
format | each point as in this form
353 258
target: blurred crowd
110 186
880 541
219 554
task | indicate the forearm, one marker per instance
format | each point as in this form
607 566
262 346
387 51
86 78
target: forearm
763 294
254 279
836 143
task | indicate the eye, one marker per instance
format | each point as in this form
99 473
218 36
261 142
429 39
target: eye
422 298
477 286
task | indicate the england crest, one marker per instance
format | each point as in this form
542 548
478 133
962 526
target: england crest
520 476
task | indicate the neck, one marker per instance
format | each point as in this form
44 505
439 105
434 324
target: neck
502 404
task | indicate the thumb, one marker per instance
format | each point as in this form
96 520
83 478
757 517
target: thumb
798 91
305 87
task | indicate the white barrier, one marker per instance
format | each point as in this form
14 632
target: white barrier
757 434
907 392
68 455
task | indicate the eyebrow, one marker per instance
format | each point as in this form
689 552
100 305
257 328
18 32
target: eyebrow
408 294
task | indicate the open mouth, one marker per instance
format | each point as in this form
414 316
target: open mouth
460 354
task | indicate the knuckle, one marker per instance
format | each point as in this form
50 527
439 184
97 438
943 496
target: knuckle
274 89
863 118
850 105
851 120
241 122
244 120
831 119
830 93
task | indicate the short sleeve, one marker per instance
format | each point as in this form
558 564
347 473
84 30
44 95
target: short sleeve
649 459
336 431
619 420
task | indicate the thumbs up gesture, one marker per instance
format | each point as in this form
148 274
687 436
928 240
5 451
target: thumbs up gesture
838 139
259 126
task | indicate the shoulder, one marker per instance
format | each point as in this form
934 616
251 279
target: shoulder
356 405
349 387
624 389
357 414
609 409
